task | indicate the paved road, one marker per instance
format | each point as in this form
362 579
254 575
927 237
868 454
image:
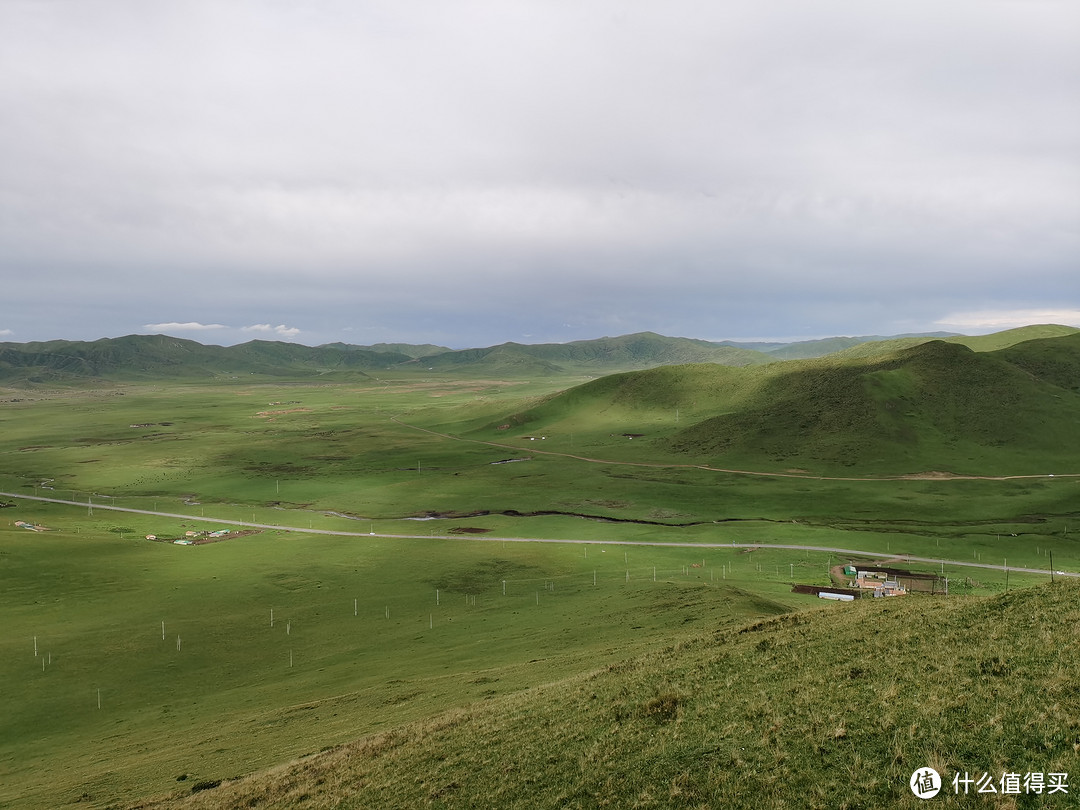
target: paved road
662 544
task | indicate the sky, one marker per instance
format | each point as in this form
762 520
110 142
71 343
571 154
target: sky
470 172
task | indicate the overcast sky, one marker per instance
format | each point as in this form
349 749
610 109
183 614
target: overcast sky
467 172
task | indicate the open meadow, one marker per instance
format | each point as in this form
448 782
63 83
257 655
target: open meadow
134 668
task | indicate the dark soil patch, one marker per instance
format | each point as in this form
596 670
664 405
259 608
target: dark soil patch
199 541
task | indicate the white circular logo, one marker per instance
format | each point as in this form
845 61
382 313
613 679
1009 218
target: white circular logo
925 783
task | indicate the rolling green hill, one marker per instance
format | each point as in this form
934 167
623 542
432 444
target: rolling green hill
1051 360
806 349
934 406
835 708
979 343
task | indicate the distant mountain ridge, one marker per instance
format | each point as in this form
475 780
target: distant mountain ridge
136 357
407 349
626 352
804 349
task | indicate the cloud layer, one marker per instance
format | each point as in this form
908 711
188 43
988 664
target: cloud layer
468 172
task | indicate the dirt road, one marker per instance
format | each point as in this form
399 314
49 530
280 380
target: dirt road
661 544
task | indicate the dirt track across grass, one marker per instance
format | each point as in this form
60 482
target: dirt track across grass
556 541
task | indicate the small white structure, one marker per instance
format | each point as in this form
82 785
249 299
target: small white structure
839 597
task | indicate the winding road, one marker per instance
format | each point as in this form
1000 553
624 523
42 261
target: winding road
661 544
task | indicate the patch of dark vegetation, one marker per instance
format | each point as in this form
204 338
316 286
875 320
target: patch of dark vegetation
205 784
468 530
405 697
6 504
484 575
785 620
439 793
286 468
662 708
994 668
98 440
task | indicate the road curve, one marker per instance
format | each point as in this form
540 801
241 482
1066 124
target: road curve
659 544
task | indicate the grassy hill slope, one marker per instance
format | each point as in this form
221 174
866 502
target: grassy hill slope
806 349
697 388
828 709
978 343
1054 360
933 406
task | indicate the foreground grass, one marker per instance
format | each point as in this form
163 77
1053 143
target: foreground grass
824 709
127 665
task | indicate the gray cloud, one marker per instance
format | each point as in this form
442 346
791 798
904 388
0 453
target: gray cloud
470 171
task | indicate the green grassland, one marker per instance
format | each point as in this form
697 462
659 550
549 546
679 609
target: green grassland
438 474
367 633
823 709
